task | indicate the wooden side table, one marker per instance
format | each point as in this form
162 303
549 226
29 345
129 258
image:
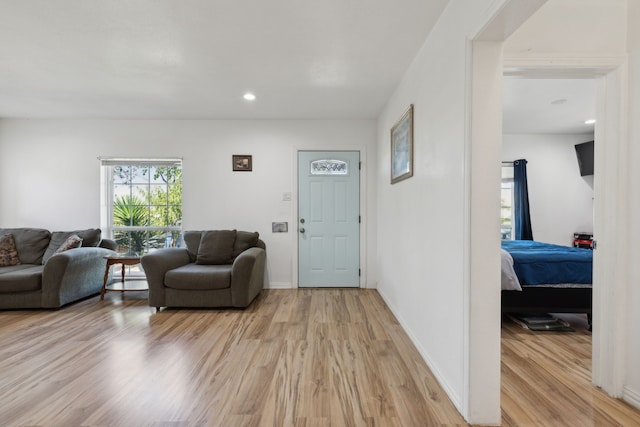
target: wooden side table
124 260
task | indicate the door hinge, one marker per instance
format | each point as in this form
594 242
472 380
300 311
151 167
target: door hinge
359 165
359 273
359 219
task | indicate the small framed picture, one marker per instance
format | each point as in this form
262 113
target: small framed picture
242 162
402 147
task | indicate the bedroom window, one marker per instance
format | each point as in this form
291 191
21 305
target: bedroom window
142 208
506 203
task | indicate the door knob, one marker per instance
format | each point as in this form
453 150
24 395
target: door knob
302 230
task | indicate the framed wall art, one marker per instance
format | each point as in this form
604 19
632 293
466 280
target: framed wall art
242 162
402 147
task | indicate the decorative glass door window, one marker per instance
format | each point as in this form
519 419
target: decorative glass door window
329 167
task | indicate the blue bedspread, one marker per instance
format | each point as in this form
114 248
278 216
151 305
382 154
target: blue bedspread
537 263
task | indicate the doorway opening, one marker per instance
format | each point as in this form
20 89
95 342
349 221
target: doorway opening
546 125
543 121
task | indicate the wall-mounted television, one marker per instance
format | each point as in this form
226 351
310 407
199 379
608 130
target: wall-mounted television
584 153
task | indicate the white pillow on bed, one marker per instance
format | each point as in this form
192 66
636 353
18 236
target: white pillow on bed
508 275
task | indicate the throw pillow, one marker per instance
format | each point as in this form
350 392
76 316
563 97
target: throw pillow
216 247
244 241
30 242
192 240
72 242
90 237
8 251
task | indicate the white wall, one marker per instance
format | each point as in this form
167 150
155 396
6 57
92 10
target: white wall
50 173
421 221
561 201
632 386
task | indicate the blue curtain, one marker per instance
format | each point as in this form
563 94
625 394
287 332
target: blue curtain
521 201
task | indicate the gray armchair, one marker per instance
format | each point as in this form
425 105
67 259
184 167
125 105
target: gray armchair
218 268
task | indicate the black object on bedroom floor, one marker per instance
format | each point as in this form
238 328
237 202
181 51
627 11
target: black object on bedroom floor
541 322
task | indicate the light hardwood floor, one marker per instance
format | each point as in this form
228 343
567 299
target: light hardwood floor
293 358
546 380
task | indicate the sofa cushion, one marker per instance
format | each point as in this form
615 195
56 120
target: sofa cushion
216 247
21 278
8 251
31 243
198 277
244 241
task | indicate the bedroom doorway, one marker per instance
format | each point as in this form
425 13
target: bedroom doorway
543 120
546 124
608 345
608 222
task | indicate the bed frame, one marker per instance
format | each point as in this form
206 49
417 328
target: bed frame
543 299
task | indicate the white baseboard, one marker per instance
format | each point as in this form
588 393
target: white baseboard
279 285
425 355
632 397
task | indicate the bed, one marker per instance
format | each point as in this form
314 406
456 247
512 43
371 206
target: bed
551 278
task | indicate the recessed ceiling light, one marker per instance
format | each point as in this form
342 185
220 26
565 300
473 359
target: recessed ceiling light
249 96
590 122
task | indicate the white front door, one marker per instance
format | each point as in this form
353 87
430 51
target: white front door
328 219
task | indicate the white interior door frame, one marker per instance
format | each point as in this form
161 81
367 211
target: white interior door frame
610 208
610 225
363 207
610 222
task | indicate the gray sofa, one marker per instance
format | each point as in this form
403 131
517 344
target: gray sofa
218 268
46 279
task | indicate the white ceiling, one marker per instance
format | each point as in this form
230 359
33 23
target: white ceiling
194 59
180 59
558 106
